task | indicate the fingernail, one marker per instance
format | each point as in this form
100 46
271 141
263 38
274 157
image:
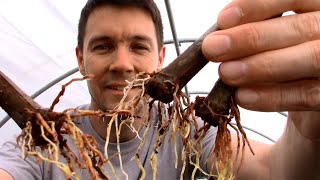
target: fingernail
217 45
230 17
232 70
247 96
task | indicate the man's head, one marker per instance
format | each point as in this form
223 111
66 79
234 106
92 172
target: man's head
147 5
117 40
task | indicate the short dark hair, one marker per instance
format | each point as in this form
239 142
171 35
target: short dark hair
147 5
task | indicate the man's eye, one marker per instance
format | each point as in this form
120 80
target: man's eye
140 47
102 47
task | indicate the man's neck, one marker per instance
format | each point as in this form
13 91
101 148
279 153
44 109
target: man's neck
100 125
128 129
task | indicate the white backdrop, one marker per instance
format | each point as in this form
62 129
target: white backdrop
38 38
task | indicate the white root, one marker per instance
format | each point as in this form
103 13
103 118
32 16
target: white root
180 119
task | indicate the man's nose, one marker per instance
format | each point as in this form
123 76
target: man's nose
122 61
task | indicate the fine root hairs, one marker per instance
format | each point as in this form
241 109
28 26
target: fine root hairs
176 120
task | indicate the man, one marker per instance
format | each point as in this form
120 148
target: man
272 75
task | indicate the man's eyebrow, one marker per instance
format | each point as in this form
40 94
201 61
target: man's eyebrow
104 38
141 38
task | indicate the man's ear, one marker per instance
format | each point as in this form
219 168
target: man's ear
162 54
80 61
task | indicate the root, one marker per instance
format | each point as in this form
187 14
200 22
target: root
176 118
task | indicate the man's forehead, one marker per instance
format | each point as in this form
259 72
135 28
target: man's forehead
136 24
116 10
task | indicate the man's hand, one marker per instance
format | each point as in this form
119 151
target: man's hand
275 61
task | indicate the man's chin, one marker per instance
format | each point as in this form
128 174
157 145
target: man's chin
113 102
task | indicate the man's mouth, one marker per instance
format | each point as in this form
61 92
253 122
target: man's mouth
118 88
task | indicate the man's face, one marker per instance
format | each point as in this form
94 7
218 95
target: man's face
118 44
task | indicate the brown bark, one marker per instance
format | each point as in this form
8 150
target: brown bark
15 101
217 103
162 85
